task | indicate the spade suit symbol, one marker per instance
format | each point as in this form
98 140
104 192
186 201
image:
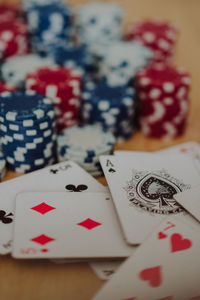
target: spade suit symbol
111 170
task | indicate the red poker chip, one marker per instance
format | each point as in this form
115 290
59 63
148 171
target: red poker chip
13 38
8 12
4 87
163 130
164 100
159 36
63 86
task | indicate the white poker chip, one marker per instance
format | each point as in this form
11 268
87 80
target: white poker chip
15 69
122 60
99 22
84 139
84 145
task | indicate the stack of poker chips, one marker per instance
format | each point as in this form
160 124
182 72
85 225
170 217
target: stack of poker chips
13 38
122 61
2 166
84 145
99 24
15 69
48 25
63 87
163 91
159 36
111 107
27 122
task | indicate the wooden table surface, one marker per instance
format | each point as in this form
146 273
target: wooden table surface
42 280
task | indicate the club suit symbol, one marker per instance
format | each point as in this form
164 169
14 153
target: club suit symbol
78 188
5 218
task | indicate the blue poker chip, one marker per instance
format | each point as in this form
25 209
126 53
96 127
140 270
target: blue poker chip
73 57
31 143
27 153
113 108
27 4
28 124
53 17
2 166
26 134
27 167
20 106
21 133
48 24
29 150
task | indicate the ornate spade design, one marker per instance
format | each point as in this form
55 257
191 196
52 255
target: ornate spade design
158 191
153 191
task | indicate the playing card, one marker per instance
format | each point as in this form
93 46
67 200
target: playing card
164 267
189 148
190 200
142 187
105 269
67 225
65 176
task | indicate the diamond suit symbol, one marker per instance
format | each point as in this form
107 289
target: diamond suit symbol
89 224
43 208
42 239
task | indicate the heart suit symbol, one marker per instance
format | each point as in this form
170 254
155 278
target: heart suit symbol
161 235
178 243
152 275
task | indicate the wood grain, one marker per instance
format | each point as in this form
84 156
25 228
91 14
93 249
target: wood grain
41 280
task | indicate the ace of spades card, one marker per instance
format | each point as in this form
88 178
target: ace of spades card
142 187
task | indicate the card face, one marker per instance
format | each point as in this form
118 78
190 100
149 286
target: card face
105 269
67 225
188 148
142 188
191 149
190 200
65 176
164 267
